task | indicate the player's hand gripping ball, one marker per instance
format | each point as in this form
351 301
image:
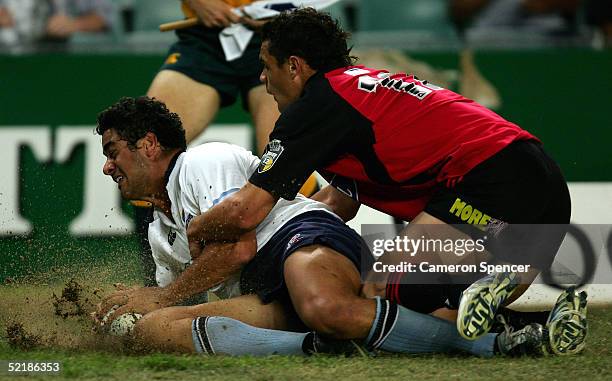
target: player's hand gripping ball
122 325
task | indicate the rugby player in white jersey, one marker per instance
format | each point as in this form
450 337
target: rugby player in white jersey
293 284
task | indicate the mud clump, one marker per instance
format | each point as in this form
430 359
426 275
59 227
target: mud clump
18 337
70 303
53 311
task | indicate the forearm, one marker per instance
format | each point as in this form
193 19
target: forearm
213 13
208 269
231 218
215 225
211 268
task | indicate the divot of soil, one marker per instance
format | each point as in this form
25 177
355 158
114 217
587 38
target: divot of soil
69 304
18 337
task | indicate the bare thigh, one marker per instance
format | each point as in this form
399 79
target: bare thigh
324 287
264 111
196 103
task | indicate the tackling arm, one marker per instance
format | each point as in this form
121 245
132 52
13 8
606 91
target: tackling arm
236 215
212 265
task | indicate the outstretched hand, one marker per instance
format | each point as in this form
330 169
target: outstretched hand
214 13
141 300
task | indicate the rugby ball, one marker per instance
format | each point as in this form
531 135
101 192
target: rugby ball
124 324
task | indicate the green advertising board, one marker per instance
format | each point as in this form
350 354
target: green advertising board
49 102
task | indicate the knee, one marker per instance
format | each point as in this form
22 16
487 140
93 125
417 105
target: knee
331 318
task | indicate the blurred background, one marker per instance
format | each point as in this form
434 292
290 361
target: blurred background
543 64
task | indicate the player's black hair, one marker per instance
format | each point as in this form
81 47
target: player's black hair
133 118
312 35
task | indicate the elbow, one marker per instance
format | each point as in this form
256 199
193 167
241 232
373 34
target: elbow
246 223
244 251
242 221
244 257
193 234
242 216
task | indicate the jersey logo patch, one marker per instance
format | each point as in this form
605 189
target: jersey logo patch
172 58
171 237
356 71
273 152
188 218
295 239
346 186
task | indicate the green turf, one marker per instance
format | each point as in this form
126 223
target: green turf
594 364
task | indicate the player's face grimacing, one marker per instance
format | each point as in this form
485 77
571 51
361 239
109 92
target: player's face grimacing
124 165
280 80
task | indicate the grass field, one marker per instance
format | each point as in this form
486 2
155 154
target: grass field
60 331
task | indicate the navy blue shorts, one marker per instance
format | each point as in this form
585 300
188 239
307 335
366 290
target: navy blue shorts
264 275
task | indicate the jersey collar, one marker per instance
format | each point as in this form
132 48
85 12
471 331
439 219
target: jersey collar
171 166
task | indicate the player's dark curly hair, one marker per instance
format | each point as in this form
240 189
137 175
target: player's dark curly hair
312 35
132 118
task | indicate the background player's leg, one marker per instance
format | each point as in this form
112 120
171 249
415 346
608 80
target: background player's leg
264 112
196 103
169 329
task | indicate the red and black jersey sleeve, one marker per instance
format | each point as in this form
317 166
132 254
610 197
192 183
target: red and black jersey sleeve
314 130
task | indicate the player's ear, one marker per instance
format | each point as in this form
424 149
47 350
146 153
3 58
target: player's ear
299 68
295 65
150 144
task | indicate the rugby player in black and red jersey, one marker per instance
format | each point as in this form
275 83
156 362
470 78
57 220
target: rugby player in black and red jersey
410 149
